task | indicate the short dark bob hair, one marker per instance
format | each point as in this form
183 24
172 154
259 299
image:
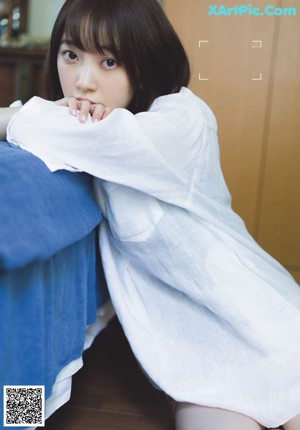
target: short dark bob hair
136 32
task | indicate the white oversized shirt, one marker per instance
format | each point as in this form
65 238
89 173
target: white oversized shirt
211 317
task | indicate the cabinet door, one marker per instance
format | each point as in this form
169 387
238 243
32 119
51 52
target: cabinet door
21 74
7 84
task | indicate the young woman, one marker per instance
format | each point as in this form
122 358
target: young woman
213 320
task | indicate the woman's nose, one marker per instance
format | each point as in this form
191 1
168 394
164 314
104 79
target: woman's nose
86 80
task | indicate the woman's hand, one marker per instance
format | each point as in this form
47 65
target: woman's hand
85 107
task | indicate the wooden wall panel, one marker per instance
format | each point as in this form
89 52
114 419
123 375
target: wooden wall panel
230 63
279 218
295 274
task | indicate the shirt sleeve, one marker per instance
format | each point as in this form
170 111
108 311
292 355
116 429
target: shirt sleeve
154 152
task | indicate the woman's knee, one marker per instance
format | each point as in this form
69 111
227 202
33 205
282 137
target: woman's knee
293 424
189 416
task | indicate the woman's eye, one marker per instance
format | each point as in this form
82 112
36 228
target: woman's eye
70 55
109 63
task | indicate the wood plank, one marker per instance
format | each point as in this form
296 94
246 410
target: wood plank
111 392
79 418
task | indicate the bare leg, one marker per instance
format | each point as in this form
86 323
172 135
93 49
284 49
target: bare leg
195 417
293 424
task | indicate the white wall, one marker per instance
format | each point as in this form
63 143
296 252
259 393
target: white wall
41 16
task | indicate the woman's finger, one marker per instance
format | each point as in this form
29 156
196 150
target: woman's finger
97 112
74 105
85 109
107 111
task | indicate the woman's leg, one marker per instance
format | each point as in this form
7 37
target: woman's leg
195 417
293 424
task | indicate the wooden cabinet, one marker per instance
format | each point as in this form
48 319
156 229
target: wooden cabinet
16 13
21 74
247 69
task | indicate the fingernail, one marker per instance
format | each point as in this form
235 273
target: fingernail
83 118
74 112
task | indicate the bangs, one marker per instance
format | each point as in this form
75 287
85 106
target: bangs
92 31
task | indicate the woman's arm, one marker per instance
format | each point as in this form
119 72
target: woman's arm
5 116
155 152
98 112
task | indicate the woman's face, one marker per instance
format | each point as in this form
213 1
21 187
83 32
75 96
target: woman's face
94 77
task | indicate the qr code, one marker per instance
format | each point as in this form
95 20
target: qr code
24 406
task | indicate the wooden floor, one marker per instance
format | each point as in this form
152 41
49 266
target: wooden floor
111 393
